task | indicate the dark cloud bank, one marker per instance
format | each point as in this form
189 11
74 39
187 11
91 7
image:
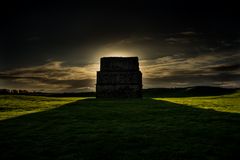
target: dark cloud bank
56 46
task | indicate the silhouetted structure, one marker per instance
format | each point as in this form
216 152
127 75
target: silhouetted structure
119 77
5 91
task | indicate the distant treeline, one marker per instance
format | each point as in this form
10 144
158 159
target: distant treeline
152 92
14 91
35 93
188 91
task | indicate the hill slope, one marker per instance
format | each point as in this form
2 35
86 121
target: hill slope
121 129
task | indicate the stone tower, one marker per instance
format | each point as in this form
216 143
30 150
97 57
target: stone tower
119 77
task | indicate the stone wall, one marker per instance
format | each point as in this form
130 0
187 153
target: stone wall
119 77
119 64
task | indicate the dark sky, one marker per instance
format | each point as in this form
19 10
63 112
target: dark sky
56 46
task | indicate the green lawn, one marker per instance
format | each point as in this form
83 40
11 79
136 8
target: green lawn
86 128
15 105
224 103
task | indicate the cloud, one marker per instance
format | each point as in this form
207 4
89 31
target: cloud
187 33
231 67
173 40
129 40
53 76
54 70
185 37
177 70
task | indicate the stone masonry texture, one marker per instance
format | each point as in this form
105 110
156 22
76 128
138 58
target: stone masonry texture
119 77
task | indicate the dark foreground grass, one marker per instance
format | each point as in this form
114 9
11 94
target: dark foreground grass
122 129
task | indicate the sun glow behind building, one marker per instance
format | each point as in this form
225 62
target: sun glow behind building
56 48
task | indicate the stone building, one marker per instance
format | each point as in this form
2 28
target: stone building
119 77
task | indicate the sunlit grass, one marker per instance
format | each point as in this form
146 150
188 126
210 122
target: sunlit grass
224 103
16 105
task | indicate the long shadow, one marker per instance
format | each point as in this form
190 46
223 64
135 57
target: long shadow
121 129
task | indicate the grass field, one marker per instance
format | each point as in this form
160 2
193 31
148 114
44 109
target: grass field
224 103
33 127
15 105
